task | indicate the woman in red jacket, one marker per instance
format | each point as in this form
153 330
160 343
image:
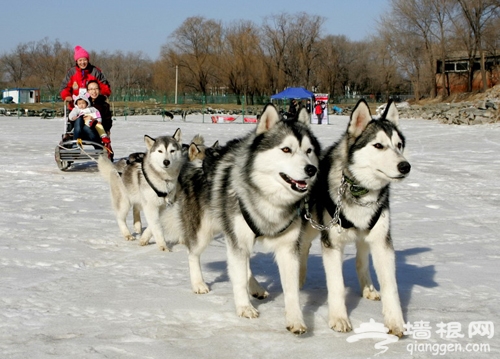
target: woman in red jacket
78 77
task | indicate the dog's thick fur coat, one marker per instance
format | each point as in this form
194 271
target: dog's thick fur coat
352 192
258 187
149 185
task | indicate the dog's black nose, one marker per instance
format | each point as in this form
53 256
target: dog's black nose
166 163
311 170
404 167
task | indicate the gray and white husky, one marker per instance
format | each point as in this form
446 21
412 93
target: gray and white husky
352 204
258 187
149 185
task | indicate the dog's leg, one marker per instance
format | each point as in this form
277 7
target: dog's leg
305 246
146 236
122 206
362 268
256 290
197 283
152 214
137 219
288 259
238 264
194 252
332 261
384 262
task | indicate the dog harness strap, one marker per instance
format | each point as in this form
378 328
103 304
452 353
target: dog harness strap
375 218
158 193
253 226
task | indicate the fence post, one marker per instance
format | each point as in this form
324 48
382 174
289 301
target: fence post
126 107
243 109
203 108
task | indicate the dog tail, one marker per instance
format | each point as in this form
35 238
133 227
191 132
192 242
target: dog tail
106 168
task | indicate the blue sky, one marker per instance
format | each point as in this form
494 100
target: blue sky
144 25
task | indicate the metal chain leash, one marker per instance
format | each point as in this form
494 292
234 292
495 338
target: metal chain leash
335 221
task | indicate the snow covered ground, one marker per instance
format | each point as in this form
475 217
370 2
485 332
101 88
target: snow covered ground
71 287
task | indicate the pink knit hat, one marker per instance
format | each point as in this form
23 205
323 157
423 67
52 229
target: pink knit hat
80 52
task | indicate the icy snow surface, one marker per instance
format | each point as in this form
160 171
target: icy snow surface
72 287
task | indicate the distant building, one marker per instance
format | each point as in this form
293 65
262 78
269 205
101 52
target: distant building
22 95
457 71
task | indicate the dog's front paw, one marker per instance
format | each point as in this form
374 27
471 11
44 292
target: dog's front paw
371 293
130 237
396 329
342 325
247 312
200 288
164 248
261 295
256 290
297 328
144 242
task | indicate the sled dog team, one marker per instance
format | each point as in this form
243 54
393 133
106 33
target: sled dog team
274 185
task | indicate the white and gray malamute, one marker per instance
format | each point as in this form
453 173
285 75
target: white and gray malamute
351 201
148 184
258 188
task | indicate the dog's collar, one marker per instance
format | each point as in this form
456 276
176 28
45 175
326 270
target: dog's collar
255 229
158 193
355 189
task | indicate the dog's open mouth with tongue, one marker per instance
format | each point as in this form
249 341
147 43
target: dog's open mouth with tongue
299 186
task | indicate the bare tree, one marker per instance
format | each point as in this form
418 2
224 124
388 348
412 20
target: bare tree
195 46
416 17
242 59
443 11
478 15
48 61
16 66
290 43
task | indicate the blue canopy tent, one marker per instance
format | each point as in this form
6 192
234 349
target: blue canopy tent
294 93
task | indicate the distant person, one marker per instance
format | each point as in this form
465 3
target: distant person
319 111
292 109
80 75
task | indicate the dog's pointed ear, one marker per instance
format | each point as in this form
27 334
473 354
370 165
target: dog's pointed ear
216 144
149 141
391 113
360 118
177 135
193 151
304 116
268 119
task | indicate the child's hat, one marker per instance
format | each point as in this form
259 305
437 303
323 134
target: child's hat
81 96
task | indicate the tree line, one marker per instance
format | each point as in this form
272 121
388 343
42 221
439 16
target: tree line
208 57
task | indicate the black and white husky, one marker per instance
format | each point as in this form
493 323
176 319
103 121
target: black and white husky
148 183
258 186
351 201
